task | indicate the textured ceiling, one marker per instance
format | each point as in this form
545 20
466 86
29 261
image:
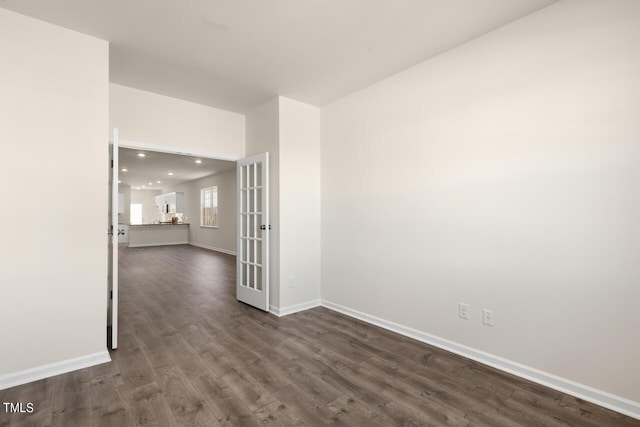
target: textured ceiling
237 54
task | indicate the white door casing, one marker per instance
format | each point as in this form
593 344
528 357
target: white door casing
113 234
252 283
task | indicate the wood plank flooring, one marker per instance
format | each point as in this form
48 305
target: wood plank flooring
191 355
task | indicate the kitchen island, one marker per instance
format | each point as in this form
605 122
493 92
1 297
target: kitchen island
141 235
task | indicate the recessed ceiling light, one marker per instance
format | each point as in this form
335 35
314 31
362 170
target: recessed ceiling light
123 169
198 161
151 183
170 173
158 182
141 154
144 186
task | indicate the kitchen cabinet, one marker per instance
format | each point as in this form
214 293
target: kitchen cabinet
170 202
178 203
160 202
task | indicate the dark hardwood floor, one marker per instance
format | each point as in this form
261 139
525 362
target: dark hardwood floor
190 354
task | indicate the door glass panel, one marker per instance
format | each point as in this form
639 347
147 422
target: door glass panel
243 177
257 231
251 276
259 278
258 200
259 251
258 174
243 268
243 250
254 179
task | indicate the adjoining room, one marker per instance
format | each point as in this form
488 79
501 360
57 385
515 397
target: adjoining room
177 199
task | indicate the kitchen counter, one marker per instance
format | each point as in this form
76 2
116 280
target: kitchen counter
141 235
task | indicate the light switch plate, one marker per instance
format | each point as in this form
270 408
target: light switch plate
463 311
487 317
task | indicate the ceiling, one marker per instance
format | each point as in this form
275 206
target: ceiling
144 172
237 54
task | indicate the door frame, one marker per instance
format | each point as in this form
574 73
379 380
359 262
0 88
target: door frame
176 150
112 294
122 143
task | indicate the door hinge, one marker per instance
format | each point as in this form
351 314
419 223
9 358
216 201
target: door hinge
110 294
111 163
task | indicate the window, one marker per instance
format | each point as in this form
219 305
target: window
209 207
136 213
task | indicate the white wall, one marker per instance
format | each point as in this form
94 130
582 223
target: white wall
223 237
501 174
53 129
147 198
263 136
290 132
161 121
299 136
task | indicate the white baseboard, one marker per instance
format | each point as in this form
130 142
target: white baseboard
213 248
584 392
146 245
294 308
53 369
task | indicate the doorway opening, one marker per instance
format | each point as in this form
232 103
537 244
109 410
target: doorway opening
161 191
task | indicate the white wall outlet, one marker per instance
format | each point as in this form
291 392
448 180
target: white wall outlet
290 282
487 317
463 311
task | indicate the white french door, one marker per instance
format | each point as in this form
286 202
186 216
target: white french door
113 244
252 283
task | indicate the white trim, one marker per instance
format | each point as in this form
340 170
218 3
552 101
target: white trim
584 392
53 369
213 248
294 308
146 245
176 150
112 300
274 310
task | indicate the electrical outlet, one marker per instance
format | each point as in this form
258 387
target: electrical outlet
463 311
290 283
487 317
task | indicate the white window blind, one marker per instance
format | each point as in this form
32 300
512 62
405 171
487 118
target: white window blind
209 207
